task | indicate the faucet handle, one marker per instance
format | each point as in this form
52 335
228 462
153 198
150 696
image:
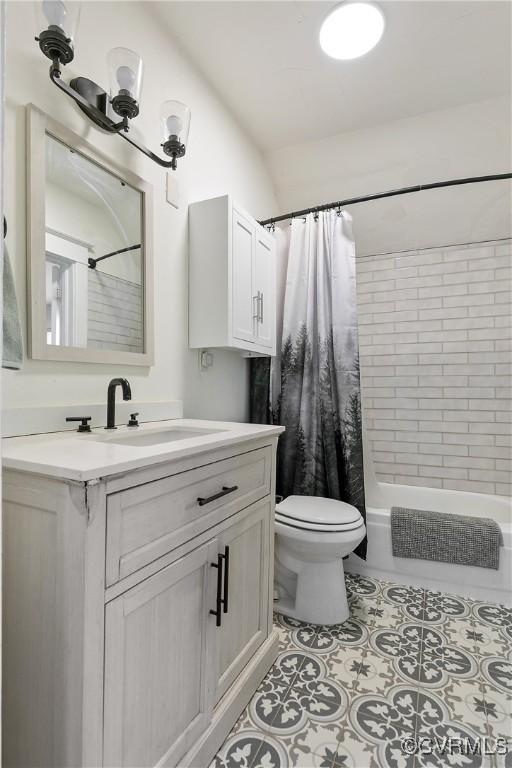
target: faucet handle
133 420
84 426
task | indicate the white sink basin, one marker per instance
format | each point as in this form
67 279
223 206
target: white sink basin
155 437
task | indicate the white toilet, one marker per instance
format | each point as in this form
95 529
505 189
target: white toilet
313 534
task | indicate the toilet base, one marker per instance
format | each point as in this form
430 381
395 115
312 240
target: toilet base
312 592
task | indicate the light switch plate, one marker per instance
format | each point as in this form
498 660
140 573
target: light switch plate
173 190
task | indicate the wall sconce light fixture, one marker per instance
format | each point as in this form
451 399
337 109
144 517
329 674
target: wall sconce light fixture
57 42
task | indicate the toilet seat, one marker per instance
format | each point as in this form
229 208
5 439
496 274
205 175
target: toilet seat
315 513
330 528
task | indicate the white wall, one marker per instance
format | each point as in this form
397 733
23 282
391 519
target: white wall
469 140
220 159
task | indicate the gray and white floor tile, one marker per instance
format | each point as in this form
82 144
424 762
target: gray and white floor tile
408 664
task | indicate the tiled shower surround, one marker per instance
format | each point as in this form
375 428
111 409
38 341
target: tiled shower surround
408 664
114 313
435 347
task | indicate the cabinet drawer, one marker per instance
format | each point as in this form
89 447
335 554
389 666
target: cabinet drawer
146 522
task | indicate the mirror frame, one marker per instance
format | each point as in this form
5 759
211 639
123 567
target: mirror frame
38 126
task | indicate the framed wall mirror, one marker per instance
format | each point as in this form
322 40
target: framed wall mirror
90 273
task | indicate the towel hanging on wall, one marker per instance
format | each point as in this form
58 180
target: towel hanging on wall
12 351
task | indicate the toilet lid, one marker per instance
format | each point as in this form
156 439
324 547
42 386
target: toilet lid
289 522
315 511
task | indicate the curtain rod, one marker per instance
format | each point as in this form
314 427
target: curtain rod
389 193
92 262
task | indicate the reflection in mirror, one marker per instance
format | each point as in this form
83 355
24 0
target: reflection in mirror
93 254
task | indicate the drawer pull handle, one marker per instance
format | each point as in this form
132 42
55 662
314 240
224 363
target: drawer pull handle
218 601
225 597
225 490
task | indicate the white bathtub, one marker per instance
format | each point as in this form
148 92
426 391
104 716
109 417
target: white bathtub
477 583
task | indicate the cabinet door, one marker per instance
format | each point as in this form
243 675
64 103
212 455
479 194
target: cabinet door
245 625
158 679
264 270
243 305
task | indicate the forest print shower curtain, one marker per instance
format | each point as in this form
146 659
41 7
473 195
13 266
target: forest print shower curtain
312 387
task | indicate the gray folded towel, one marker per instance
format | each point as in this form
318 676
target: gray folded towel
446 538
12 356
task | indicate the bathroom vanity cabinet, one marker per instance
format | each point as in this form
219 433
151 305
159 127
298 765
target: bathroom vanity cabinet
232 279
138 608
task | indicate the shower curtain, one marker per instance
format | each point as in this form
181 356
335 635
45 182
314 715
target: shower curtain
312 387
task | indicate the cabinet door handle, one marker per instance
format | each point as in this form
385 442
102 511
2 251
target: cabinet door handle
218 601
261 305
225 490
225 597
256 313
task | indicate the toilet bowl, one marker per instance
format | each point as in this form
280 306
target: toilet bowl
313 535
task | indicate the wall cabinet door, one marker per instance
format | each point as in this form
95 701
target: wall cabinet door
232 269
244 627
264 287
158 677
242 289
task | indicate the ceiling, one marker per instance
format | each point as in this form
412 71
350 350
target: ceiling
264 60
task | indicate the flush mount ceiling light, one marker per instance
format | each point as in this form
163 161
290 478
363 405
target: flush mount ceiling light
57 42
351 30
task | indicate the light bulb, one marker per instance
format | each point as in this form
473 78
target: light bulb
352 29
55 12
174 125
126 78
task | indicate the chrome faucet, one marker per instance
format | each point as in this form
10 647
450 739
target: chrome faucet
111 399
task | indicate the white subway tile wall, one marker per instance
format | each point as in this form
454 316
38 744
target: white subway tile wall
114 313
436 361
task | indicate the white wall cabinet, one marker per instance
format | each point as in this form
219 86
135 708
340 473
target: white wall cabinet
232 276
138 611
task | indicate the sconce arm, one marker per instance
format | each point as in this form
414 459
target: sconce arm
101 119
148 152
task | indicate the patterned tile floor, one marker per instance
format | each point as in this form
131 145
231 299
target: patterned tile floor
408 663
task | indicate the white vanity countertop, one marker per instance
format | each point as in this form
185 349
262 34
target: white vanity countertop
89 456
